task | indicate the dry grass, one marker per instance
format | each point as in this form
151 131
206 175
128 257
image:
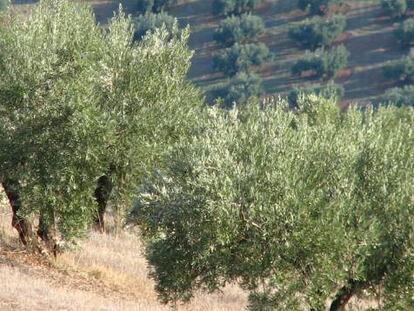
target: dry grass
105 273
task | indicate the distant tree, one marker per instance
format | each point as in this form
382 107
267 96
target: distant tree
402 69
240 58
317 31
241 88
330 91
150 21
238 29
317 6
405 32
400 96
236 7
323 63
154 6
395 8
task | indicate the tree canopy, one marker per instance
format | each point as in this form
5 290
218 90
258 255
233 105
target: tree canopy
151 21
238 29
322 63
298 208
234 7
240 58
317 31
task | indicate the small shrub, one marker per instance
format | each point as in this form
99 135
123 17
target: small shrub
238 29
317 31
240 58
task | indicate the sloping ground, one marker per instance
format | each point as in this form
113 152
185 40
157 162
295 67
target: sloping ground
105 273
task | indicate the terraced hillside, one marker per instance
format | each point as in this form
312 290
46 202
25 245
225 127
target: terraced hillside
369 38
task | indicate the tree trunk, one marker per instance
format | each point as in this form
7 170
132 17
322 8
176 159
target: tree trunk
344 295
102 194
23 227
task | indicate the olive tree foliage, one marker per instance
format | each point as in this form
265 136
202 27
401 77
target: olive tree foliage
322 63
234 7
150 21
317 31
396 8
405 32
238 29
330 90
317 6
240 58
403 96
298 208
77 100
51 126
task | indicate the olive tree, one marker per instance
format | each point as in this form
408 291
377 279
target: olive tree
241 88
150 21
402 69
405 32
154 6
399 96
298 208
51 127
395 8
317 31
241 58
84 109
317 6
238 29
330 91
234 7
322 63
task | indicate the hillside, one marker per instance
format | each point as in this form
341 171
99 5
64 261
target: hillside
368 37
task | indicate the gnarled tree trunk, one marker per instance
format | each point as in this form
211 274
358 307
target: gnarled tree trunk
23 227
102 194
344 295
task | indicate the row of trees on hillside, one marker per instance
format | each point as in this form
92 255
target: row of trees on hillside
238 35
322 59
402 70
397 8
